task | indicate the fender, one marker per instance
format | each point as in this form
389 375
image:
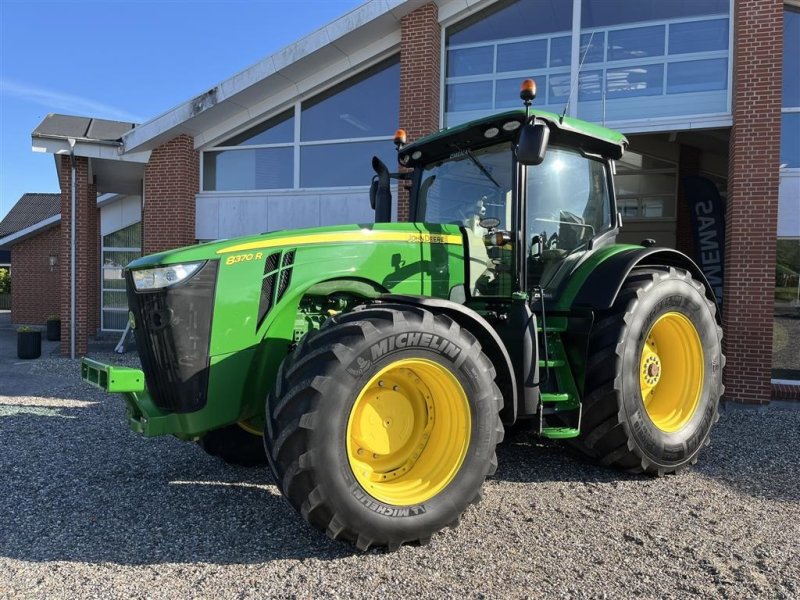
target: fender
490 341
602 286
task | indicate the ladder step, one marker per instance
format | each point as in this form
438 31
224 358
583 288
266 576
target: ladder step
560 433
548 397
552 363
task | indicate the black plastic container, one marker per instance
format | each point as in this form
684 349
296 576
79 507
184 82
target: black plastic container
29 344
54 330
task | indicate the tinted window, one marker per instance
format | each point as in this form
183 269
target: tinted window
698 36
521 56
593 47
332 165
470 61
600 13
697 76
513 19
790 140
791 57
278 130
252 169
469 96
638 42
365 106
630 82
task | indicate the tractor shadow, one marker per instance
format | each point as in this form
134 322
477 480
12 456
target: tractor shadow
523 457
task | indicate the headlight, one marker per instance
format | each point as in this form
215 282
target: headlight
154 279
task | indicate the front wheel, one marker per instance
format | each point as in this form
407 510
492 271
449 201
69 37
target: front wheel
382 426
653 376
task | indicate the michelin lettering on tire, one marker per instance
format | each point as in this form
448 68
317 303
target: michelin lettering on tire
402 341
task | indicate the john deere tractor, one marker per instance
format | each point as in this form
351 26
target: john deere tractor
379 363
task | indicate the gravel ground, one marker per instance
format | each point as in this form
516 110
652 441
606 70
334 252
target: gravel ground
88 509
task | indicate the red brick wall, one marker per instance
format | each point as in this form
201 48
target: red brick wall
87 256
35 288
751 218
171 180
420 77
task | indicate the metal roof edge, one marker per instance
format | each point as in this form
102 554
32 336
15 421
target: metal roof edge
326 35
20 235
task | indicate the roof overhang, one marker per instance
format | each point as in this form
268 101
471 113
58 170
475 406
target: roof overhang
321 59
87 148
35 229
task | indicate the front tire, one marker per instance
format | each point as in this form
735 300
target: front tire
654 375
382 426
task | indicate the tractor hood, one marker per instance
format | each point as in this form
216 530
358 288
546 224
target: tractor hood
338 234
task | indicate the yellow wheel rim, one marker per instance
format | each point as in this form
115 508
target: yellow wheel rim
408 432
671 371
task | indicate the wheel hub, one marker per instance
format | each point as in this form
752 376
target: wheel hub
408 432
673 347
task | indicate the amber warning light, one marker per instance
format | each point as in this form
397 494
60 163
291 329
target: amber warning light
527 91
400 138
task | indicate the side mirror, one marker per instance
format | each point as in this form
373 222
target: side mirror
380 194
532 144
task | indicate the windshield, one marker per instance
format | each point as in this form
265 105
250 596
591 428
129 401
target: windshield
474 190
468 187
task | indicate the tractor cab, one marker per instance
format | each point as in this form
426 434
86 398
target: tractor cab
532 193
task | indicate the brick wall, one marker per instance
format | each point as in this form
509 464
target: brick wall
87 256
751 218
420 75
171 181
35 288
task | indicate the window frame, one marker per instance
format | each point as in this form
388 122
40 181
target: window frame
103 268
710 119
296 108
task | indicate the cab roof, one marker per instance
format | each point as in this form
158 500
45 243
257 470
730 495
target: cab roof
575 133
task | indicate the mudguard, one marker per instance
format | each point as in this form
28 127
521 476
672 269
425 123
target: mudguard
602 286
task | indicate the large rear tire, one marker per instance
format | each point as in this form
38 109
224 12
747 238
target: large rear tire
654 375
382 426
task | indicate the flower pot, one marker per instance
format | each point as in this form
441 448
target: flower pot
29 344
54 330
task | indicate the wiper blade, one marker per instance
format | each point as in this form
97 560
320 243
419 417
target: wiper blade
483 169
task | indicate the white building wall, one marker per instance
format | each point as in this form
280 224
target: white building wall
233 214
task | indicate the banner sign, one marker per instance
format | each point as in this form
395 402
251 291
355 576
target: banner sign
707 209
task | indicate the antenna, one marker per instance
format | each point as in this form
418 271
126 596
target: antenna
575 80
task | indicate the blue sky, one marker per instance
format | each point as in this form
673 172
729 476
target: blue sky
127 60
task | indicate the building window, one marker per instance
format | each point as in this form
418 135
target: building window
786 330
327 141
653 59
489 54
646 187
119 248
672 54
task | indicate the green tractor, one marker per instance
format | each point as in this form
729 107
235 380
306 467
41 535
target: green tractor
379 364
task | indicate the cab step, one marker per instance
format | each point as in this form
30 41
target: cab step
559 433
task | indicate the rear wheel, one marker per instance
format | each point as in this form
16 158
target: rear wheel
654 375
382 426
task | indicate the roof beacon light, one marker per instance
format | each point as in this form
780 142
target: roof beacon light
400 138
527 92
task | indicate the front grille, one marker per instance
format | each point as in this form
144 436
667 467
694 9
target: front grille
173 331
